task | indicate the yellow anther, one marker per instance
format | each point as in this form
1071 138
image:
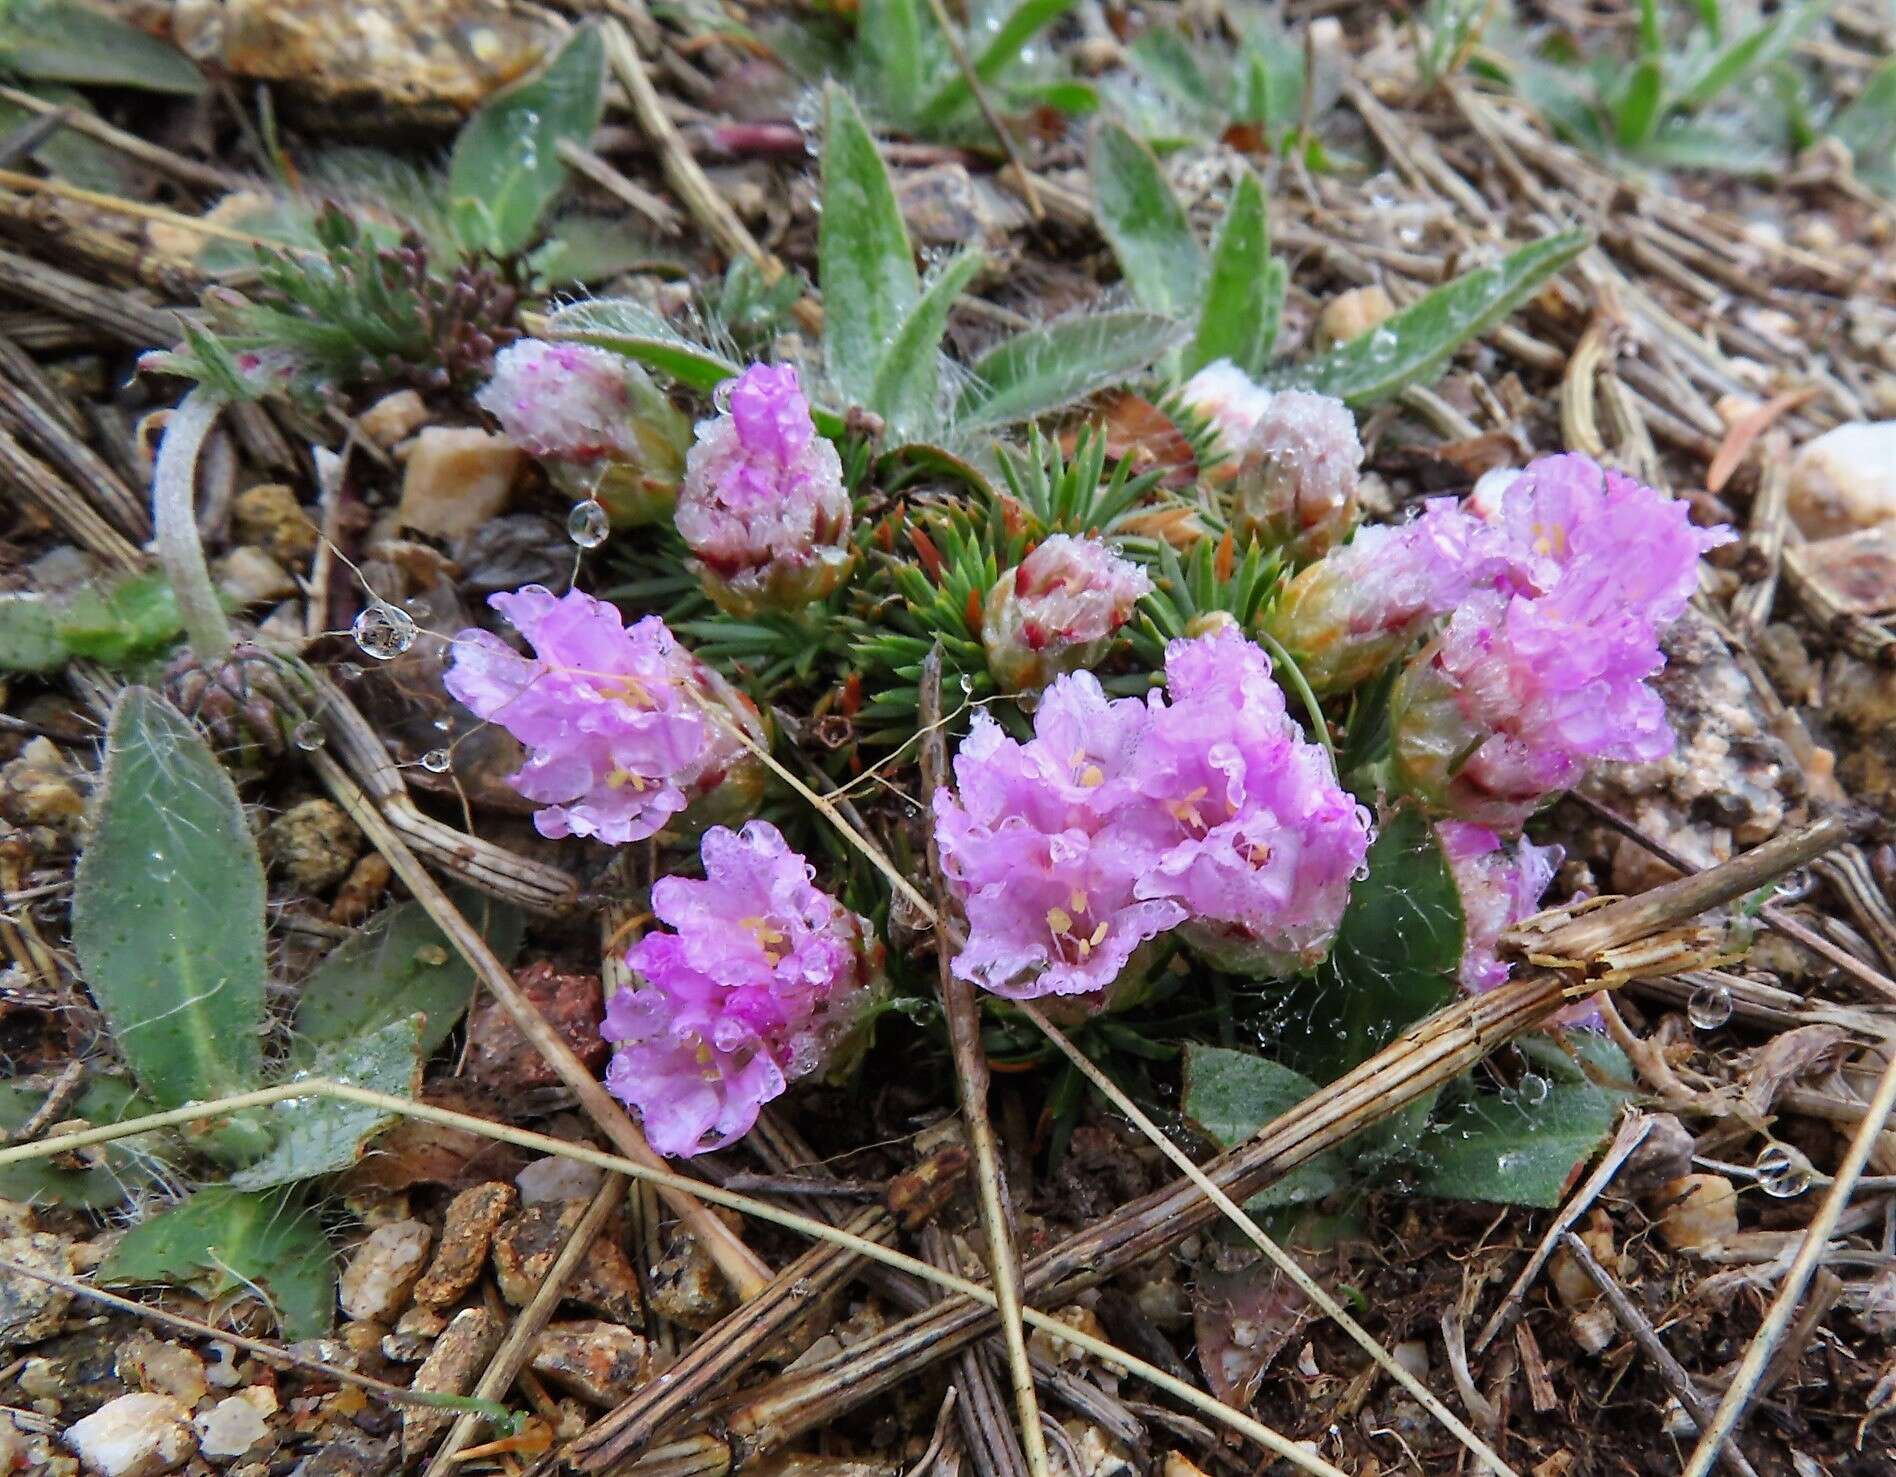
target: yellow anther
1078 900
1059 921
1092 776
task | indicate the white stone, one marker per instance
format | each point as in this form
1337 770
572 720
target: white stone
250 577
393 418
379 1276
234 1425
554 1178
457 479
1845 479
134 1436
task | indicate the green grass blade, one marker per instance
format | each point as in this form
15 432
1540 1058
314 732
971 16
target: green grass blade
1027 21
864 257
1145 225
1233 322
907 388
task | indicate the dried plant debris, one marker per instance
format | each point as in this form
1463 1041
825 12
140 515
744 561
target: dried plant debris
686 694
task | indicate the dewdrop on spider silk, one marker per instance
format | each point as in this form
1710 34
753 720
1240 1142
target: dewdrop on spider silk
383 631
308 736
1709 1008
436 761
1783 1172
587 525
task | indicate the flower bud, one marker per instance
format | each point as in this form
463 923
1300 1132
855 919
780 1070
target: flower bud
763 506
1295 487
597 418
1056 611
1227 397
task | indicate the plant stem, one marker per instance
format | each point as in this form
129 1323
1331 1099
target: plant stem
174 519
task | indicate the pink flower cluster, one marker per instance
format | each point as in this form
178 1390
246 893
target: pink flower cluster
565 402
1121 820
1543 670
1500 884
1056 610
623 728
762 977
763 506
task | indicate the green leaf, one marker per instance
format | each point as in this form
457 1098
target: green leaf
1161 56
863 253
634 330
1868 127
1727 66
1025 22
168 909
68 153
1396 957
889 38
29 634
119 622
126 1166
398 966
221 1241
1652 36
317 1136
1522 1148
1048 368
1145 225
1412 347
506 166
907 388
1239 319
61 41
1232 1094
1637 112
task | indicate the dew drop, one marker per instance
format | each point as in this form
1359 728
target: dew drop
1709 1008
721 398
1534 1089
383 631
587 525
308 736
349 671
1783 1172
436 761
1795 886
443 723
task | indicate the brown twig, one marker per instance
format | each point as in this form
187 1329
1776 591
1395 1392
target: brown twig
969 73
185 171
971 1075
1673 1373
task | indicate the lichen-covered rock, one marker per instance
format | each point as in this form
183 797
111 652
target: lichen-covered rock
502 1060
30 1309
451 1368
149 1363
314 844
467 1231
599 1362
687 1286
1729 782
376 1283
525 1248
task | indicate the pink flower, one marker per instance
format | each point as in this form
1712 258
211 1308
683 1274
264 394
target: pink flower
1257 840
1539 677
623 728
1043 843
1296 485
1057 609
1121 820
566 402
1500 884
761 979
1230 399
763 506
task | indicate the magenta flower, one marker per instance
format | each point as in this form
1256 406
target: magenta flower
762 978
1350 614
1230 399
1536 679
1057 610
1296 484
623 728
1500 884
1044 843
1256 838
763 506
565 402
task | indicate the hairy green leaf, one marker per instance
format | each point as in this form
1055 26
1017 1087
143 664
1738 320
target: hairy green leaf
1161 56
62 41
1868 127
889 37
29 634
1048 368
634 330
319 1136
123 1167
1239 318
223 1241
399 966
1145 225
1524 1147
1232 1094
168 909
1637 112
506 166
1412 347
907 388
1025 22
863 253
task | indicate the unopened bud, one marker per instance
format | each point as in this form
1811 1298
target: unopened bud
1296 484
1056 611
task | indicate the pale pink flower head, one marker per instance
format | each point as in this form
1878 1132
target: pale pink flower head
623 728
761 978
564 402
763 506
1256 838
1231 400
1352 613
1500 884
1295 487
1044 843
1056 611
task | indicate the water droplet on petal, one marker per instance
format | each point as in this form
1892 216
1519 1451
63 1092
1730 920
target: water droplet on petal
383 631
308 736
587 525
436 761
1709 1008
1783 1172
721 398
